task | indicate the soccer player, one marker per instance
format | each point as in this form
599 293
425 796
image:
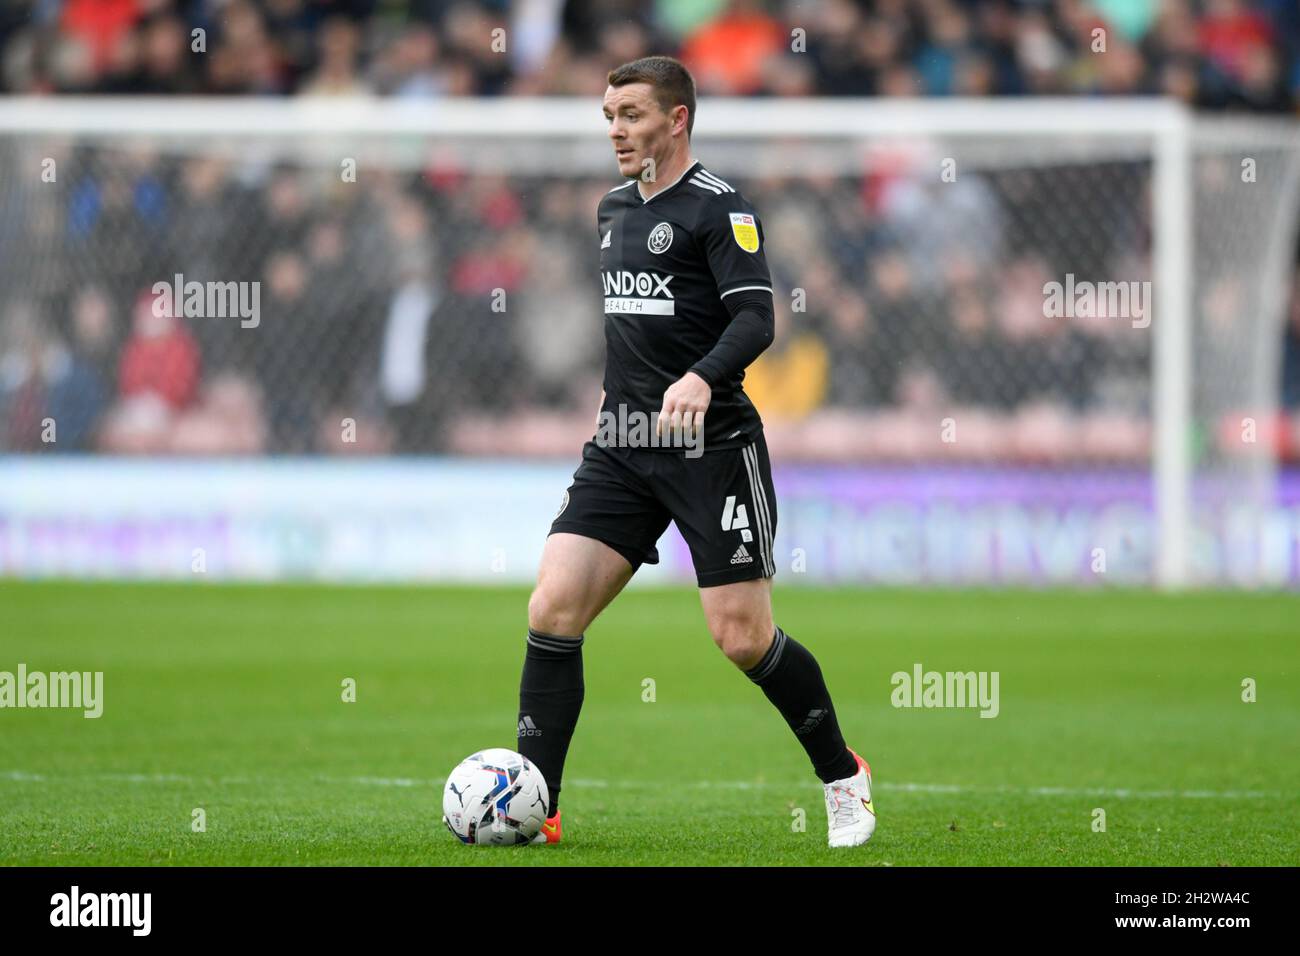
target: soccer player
688 306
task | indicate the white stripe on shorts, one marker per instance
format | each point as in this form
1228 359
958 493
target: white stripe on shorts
762 516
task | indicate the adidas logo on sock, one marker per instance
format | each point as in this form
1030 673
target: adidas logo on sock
741 556
810 723
527 728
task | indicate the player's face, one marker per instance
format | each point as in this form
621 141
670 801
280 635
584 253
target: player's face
638 127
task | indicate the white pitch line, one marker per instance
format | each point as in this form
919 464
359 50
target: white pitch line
960 788
22 776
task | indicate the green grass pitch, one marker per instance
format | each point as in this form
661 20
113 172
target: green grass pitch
229 699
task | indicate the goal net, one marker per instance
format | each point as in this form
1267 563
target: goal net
1072 308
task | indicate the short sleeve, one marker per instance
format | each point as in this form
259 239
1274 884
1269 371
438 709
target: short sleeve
732 237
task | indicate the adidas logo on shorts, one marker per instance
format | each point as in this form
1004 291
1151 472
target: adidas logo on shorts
741 556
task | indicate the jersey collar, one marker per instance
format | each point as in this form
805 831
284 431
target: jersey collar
685 172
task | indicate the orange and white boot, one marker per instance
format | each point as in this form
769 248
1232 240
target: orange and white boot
850 816
550 831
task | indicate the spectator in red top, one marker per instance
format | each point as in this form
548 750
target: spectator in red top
727 55
100 24
1229 32
161 357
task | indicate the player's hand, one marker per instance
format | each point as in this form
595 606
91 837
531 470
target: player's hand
684 405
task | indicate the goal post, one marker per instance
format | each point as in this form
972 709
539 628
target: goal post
1171 356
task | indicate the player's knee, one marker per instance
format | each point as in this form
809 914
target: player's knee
740 635
552 613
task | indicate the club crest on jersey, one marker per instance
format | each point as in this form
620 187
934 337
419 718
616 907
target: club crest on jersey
661 237
744 230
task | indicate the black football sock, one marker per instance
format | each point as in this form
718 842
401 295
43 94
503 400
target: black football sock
792 681
550 699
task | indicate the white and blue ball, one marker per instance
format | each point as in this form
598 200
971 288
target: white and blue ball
495 797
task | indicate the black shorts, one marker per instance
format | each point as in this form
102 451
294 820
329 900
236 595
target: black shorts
723 502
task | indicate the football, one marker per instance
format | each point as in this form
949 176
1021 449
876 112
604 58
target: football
495 797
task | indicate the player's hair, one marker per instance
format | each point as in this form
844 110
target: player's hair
672 82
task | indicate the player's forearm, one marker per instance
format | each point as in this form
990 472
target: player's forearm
749 333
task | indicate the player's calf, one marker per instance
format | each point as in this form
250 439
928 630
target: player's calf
578 578
790 677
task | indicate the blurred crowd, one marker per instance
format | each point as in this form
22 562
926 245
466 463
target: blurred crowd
446 310
1214 53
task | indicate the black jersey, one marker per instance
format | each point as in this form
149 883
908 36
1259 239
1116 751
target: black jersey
666 264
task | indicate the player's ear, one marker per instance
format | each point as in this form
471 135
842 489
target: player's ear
684 115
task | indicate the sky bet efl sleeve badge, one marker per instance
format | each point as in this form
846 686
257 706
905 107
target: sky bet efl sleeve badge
745 231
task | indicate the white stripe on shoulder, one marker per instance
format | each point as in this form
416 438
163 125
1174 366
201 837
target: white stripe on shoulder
630 182
704 173
746 288
697 181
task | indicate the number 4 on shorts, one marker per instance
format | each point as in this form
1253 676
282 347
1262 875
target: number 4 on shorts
733 518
